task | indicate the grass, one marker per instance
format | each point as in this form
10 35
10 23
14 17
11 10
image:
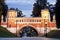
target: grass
5 33
54 34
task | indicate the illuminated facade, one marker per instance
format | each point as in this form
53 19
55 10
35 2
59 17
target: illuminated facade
39 23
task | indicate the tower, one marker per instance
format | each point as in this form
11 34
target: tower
45 17
11 17
12 14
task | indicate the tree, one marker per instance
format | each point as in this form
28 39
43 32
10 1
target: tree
19 13
57 13
2 1
51 10
53 34
0 13
36 10
40 4
3 10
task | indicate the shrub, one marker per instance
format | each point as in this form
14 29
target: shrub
54 34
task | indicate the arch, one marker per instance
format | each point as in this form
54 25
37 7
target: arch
27 25
29 30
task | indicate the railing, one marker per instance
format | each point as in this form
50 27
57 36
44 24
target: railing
28 19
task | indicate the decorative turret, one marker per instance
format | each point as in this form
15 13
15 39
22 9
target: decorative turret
12 14
11 17
45 17
45 14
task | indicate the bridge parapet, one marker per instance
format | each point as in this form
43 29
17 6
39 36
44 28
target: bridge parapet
28 19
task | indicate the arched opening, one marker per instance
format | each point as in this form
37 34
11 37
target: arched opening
28 31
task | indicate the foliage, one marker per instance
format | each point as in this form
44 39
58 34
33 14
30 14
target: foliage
51 8
36 10
5 33
19 13
2 1
54 34
0 11
57 13
3 10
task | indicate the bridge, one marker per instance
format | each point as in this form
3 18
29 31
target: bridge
38 25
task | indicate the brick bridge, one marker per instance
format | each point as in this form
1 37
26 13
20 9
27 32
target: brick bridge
40 24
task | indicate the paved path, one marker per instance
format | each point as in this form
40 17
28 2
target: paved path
29 38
